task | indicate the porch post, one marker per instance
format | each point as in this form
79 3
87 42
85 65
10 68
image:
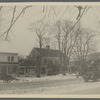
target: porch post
7 70
46 71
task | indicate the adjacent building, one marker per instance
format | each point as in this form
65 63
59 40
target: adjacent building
74 64
93 56
8 63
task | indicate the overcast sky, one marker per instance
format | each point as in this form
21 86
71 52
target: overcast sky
22 40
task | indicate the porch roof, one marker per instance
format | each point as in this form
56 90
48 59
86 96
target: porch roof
28 62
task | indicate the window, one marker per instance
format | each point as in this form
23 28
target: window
45 62
8 58
26 71
12 58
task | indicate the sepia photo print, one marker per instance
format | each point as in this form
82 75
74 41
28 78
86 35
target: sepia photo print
50 49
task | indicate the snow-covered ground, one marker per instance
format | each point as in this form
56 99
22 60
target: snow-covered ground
57 84
43 78
47 78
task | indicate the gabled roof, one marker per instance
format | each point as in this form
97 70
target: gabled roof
49 52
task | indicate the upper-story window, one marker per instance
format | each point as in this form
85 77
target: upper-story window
12 58
8 58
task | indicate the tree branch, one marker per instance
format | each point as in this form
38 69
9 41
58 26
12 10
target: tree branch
13 20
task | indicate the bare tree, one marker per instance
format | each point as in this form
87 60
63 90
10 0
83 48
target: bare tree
83 46
66 38
13 19
58 37
58 34
69 38
40 28
68 43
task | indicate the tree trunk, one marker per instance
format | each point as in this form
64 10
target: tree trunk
39 67
60 56
64 62
39 63
61 63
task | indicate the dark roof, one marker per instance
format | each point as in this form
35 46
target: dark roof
49 52
28 62
9 63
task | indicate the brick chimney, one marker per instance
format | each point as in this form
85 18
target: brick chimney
47 47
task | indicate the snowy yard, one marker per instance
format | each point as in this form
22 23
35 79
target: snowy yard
47 78
58 84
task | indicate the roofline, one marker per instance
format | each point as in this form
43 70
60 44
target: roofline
9 63
39 52
44 48
36 50
32 50
8 53
21 66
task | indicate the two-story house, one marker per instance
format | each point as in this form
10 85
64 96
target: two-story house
8 63
50 61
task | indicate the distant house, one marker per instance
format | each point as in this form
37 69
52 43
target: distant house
75 63
8 63
50 61
93 56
